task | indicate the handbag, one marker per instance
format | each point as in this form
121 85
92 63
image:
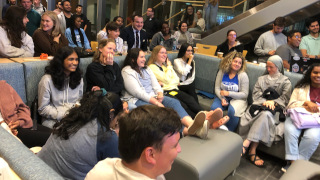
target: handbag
304 119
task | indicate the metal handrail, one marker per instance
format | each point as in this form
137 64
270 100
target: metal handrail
201 2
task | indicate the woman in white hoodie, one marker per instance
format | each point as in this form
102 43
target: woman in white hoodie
61 87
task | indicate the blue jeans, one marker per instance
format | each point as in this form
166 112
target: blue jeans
308 144
233 122
210 15
168 102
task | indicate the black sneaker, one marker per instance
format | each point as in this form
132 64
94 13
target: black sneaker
285 168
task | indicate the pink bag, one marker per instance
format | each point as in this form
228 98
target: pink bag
304 119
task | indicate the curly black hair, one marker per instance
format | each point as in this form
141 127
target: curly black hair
56 69
306 80
94 105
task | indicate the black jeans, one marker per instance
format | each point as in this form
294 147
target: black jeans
32 138
190 89
186 101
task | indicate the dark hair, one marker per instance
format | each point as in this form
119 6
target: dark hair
93 106
63 1
314 177
79 5
112 26
12 23
166 22
306 79
292 32
183 49
309 21
187 17
115 18
131 59
146 126
73 28
56 69
230 30
181 24
280 21
136 15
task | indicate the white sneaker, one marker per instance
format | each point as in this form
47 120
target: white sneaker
223 127
203 132
197 123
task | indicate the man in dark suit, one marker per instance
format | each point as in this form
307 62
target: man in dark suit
134 35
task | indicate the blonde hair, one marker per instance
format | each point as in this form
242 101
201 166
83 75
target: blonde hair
102 43
153 58
225 63
56 24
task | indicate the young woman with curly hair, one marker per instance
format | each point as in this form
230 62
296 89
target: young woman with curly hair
14 41
232 88
61 87
84 136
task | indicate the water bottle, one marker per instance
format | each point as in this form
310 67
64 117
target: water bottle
125 48
161 42
174 46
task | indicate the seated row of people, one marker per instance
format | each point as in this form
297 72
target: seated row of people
265 120
274 42
47 39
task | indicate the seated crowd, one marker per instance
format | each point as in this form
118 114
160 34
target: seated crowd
86 131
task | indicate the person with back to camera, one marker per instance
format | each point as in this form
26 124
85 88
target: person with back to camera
48 38
142 87
112 31
14 41
61 87
185 68
183 35
76 35
232 88
265 116
84 136
148 145
305 95
231 44
211 12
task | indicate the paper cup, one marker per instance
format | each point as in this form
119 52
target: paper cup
220 55
195 49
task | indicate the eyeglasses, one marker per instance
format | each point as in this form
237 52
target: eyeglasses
189 50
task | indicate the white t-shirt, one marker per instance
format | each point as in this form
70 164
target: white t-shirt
112 168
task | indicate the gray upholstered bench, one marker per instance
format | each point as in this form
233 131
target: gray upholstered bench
301 169
210 159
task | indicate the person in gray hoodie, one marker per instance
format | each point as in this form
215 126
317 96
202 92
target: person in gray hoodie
61 87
